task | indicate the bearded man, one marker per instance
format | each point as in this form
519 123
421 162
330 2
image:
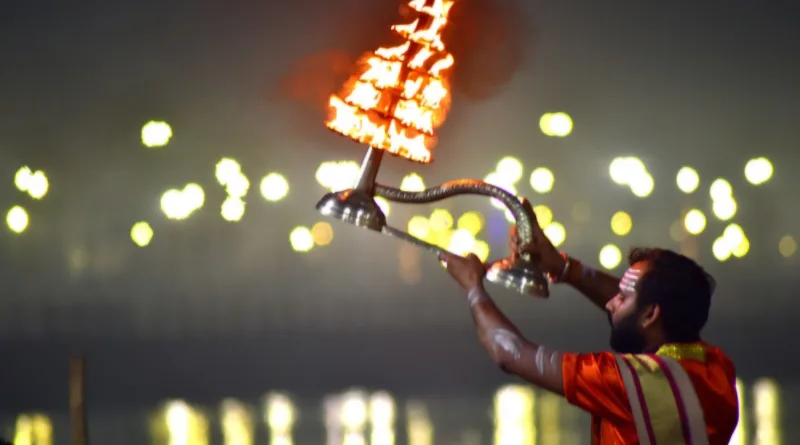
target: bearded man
661 384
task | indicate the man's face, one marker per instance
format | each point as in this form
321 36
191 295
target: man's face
627 336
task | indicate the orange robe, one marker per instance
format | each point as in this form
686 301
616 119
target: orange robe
623 392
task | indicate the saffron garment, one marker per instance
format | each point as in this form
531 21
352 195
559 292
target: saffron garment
682 394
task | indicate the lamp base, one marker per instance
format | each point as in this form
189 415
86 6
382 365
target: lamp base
354 207
518 275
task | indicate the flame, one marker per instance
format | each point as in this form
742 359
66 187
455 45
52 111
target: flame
401 94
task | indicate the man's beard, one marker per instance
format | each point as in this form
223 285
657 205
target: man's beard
626 338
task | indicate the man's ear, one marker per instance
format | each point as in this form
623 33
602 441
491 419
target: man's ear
650 316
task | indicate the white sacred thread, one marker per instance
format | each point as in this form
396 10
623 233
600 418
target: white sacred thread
507 341
476 295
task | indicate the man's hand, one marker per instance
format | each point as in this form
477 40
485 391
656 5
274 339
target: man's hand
467 271
541 250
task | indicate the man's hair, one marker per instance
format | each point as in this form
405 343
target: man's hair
680 287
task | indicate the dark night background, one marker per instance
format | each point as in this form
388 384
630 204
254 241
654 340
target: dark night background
213 309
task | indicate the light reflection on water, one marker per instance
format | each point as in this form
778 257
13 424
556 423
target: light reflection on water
517 415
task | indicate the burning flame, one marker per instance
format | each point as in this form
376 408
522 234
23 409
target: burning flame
401 94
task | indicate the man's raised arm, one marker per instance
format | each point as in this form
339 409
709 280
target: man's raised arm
514 354
598 286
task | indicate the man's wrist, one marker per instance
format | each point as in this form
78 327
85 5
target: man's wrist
477 294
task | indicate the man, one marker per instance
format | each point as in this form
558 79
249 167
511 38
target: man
662 385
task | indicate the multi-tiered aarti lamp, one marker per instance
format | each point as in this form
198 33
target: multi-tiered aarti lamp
396 101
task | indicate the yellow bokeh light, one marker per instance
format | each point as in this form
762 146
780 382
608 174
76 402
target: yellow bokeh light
412 182
543 215
141 234
232 209
17 219
338 175
274 187
556 124
156 134
724 209
621 223
510 168
721 249
481 249
22 179
720 190
441 220
419 226
461 242
237 186
39 185
180 204
688 180
757 171
642 185
301 239
625 170
33 429
185 424
610 256
542 180
787 246
236 422
322 233
471 222
34 183
556 233
741 249
226 170
694 222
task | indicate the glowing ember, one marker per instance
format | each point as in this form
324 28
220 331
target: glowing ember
401 95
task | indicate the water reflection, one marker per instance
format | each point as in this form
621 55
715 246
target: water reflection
517 415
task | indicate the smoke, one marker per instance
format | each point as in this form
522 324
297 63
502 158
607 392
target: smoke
488 39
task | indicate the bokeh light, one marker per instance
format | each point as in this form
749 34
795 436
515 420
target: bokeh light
543 215
180 204
232 209
556 233
412 182
610 256
156 134
141 234
688 180
322 233
556 124
17 219
542 180
757 171
510 168
301 239
694 222
621 223
472 222
274 187
720 189
630 171
787 246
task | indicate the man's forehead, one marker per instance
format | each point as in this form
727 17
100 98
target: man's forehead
632 276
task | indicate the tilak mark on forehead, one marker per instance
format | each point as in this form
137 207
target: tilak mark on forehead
629 280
